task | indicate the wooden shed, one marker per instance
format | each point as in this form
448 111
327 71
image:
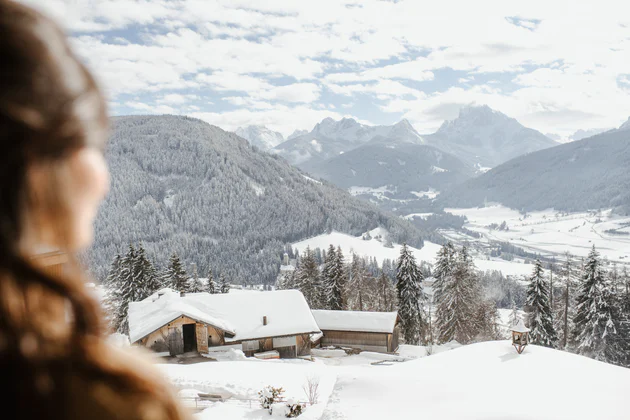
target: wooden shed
256 321
370 331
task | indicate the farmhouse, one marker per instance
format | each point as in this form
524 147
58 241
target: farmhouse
258 322
370 331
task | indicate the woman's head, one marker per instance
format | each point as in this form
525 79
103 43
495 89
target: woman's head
53 127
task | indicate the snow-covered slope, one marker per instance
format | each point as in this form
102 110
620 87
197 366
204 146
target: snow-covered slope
330 138
484 381
376 248
485 137
260 136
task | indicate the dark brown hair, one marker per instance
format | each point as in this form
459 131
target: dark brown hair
54 362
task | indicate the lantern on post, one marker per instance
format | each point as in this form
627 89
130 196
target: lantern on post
520 336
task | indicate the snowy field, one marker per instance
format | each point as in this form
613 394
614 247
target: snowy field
376 248
479 381
553 233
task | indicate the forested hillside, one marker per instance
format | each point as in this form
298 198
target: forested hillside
408 170
182 185
582 175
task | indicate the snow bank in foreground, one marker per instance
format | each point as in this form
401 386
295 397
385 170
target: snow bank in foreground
484 381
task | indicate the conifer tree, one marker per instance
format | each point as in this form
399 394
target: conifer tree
565 309
112 285
410 296
336 288
444 267
223 284
595 331
456 313
327 275
211 286
175 276
145 273
307 279
386 294
196 285
357 284
539 310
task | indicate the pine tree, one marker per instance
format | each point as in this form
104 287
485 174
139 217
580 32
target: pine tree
386 294
444 267
538 309
328 279
175 276
410 296
357 284
565 308
224 286
145 273
307 279
196 285
456 312
487 321
211 286
336 288
112 285
595 331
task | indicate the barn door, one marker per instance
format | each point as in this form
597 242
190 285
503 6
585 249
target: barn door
175 341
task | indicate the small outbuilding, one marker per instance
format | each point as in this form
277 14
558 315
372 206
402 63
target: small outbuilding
520 336
370 331
257 322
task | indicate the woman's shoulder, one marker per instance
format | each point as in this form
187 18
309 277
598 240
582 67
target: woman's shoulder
129 388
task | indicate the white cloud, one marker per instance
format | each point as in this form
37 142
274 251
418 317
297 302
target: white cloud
570 62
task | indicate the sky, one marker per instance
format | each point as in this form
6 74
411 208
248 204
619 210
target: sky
555 65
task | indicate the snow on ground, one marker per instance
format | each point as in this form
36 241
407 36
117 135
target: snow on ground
483 381
430 194
418 215
479 381
366 248
240 382
375 248
553 233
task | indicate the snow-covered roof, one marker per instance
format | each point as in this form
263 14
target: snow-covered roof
520 327
240 314
382 322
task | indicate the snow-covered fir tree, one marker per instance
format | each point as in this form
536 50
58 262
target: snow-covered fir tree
211 285
358 282
196 285
565 305
444 266
336 293
175 276
410 296
224 285
595 329
327 275
456 311
487 321
386 294
539 315
137 280
307 279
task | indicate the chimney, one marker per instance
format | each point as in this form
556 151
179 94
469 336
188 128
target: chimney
182 294
264 320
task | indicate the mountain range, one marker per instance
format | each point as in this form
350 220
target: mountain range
181 185
485 138
581 175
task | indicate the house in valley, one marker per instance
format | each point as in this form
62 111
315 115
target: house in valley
370 331
256 322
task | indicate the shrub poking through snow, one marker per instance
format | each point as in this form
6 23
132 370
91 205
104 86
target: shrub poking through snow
269 396
311 389
294 408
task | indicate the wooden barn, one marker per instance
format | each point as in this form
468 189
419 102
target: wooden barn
370 331
257 322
